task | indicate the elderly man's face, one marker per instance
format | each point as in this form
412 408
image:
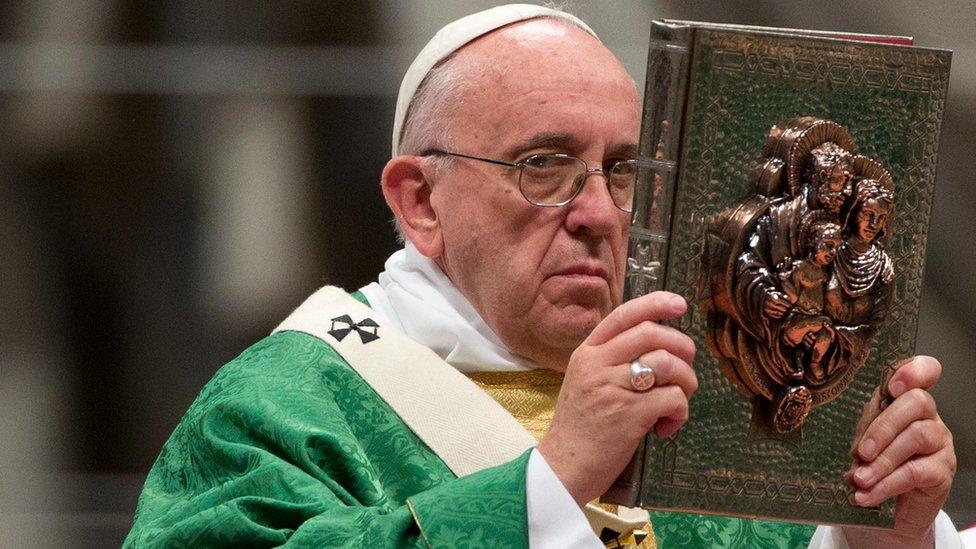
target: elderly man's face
835 186
542 278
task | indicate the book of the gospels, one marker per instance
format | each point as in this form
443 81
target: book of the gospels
785 181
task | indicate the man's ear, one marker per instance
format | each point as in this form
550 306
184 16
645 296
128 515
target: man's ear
407 192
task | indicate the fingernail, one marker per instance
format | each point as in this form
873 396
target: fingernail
867 449
848 477
896 388
677 304
860 498
864 476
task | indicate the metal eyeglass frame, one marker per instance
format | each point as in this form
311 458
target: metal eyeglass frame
522 163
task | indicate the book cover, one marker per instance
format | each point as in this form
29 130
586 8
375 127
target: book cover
784 189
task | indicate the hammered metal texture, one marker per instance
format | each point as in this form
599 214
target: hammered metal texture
891 99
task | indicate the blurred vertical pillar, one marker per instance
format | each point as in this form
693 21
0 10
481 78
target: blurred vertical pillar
256 248
37 383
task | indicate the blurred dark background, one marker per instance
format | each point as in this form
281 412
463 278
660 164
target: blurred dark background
176 176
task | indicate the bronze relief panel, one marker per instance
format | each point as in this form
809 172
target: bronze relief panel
796 278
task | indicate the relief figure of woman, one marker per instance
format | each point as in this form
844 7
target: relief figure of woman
860 290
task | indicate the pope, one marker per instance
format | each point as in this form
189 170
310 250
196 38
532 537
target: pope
490 384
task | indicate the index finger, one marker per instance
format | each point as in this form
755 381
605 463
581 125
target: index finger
655 306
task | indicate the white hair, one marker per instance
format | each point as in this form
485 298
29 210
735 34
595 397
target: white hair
425 126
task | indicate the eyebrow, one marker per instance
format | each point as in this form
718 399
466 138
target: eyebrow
545 140
567 142
625 150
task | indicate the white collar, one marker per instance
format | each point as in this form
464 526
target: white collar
414 295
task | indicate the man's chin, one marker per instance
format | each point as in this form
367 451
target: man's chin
570 327
578 295
554 335
569 312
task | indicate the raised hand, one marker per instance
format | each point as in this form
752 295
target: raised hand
906 451
600 418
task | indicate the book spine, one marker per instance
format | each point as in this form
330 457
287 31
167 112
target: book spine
658 157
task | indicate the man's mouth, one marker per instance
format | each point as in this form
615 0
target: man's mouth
584 272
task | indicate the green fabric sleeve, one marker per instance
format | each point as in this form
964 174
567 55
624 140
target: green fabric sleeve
287 445
480 510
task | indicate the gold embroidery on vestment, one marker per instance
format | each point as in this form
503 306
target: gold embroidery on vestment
529 396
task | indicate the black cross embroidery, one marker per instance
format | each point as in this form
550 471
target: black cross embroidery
366 328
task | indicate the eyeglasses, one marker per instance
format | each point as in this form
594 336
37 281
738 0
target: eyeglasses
552 180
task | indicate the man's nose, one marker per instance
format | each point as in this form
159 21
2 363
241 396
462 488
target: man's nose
593 209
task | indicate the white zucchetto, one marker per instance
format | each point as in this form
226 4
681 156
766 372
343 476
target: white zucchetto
455 35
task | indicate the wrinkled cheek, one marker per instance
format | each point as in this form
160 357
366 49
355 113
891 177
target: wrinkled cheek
617 288
618 282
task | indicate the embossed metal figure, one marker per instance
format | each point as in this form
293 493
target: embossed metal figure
804 282
795 278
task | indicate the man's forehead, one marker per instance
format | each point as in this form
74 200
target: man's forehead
541 84
565 141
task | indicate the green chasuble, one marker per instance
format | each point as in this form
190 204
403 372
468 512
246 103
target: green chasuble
288 445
